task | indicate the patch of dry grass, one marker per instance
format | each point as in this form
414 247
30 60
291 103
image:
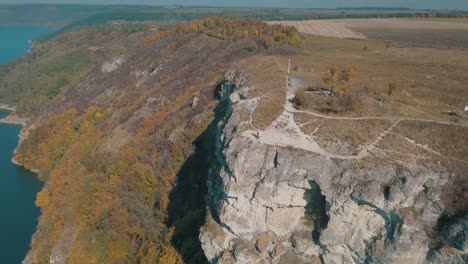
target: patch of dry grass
396 147
430 81
425 37
441 19
450 141
266 81
342 136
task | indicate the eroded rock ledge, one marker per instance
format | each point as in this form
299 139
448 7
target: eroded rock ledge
271 204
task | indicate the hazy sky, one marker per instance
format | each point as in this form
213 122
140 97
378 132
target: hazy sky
436 4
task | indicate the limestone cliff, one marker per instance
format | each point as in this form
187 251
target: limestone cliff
285 204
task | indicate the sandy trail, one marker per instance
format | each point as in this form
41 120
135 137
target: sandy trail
285 132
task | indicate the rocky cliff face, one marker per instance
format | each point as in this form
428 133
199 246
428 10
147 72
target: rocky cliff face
271 204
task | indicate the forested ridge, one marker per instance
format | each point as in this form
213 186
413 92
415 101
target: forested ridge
112 142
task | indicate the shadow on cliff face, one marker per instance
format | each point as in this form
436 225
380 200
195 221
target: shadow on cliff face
188 200
316 209
187 206
449 239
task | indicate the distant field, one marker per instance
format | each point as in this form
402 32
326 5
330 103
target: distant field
326 28
451 38
401 23
461 19
421 32
428 33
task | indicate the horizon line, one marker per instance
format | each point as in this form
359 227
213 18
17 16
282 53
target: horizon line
402 8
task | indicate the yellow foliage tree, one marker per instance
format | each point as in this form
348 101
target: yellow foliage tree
342 79
170 256
346 78
330 78
42 198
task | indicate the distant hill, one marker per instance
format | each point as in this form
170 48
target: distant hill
376 8
49 14
72 16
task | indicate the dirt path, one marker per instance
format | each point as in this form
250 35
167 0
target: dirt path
290 108
371 147
291 91
286 132
295 86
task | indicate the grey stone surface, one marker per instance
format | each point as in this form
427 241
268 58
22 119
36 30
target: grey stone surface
377 212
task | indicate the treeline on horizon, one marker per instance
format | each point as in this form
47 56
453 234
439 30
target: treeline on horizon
72 16
187 14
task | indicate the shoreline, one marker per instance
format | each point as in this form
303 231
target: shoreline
21 136
14 119
8 107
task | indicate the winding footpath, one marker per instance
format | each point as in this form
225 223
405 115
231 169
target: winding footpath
285 132
290 108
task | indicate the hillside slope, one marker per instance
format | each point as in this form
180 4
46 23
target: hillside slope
112 141
195 144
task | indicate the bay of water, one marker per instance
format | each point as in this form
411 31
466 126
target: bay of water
18 187
14 41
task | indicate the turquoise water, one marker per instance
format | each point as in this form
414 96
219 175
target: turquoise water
14 41
18 187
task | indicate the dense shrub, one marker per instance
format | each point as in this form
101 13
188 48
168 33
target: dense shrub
224 28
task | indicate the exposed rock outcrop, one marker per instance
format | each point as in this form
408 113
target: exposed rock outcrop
273 204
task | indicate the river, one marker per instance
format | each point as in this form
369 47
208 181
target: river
18 187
